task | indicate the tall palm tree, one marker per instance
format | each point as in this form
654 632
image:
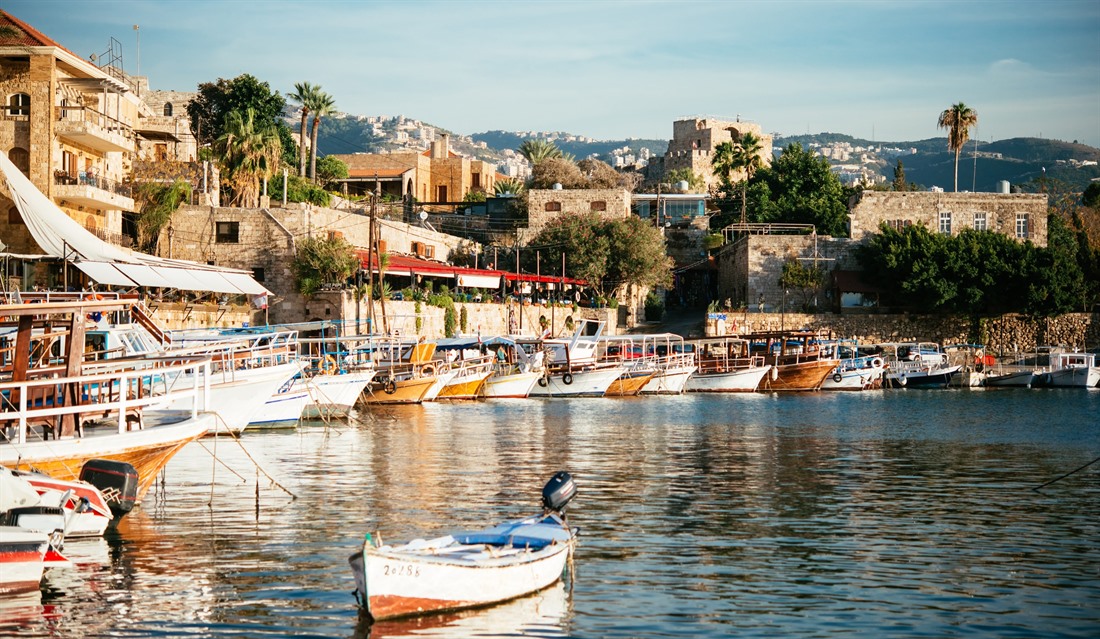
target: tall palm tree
538 150
303 96
249 151
322 104
741 155
957 119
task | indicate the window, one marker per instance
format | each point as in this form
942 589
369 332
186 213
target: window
21 158
14 217
1021 226
980 223
161 152
258 273
552 206
475 181
68 163
19 104
227 232
168 109
599 205
945 222
441 194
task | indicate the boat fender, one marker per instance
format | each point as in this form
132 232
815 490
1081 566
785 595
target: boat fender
542 382
567 378
837 377
390 386
774 373
877 362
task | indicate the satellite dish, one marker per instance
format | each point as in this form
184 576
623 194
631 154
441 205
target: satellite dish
423 214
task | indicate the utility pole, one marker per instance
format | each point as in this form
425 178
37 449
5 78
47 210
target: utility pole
370 269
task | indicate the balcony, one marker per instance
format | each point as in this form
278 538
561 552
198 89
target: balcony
95 130
94 191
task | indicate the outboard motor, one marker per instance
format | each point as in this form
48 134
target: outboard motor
558 492
118 481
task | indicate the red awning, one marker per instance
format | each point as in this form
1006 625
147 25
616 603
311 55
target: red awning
408 266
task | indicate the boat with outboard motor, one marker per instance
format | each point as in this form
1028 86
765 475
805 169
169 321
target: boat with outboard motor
570 365
860 367
916 365
469 569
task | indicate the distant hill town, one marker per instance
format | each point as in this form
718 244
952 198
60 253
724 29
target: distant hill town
1024 163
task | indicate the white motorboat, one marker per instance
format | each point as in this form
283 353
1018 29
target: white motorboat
916 365
1072 370
470 569
859 369
724 365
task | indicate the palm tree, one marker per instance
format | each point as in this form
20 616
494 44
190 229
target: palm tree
538 150
303 96
321 105
957 119
741 154
249 152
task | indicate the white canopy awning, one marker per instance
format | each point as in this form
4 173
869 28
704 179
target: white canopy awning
63 237
479 281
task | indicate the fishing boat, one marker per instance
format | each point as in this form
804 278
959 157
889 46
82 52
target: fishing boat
514 373
724 365
972 362
797 357
406 371
1071 369
860 367
626 352
468 569
570 365
22 559
61 410
916 365
673 362
79 508
470 365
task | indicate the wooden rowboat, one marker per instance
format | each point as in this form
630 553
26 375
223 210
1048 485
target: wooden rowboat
471 569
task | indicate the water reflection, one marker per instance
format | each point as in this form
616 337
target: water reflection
863 514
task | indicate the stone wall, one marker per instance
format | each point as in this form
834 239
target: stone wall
1004 334
609 203
871 208
489 319
749 268
694 140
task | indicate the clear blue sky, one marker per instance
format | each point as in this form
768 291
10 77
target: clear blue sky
618 69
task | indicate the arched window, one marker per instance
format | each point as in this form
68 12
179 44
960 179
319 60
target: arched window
599 205
19 104
21 158
13 216
168 109
553 206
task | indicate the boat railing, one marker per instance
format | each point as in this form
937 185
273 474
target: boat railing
121 388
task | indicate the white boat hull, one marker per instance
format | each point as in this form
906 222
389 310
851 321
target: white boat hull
1074 377
1020 379
743 380
582 383
517 385
22 554
441 380
670 381
283 409
333 396
238 397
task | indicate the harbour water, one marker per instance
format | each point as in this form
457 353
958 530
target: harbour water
877 514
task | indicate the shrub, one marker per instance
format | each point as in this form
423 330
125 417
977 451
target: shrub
654 307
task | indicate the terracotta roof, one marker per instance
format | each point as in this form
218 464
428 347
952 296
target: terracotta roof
405 264
30 37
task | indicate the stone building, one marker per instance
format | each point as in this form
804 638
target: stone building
1019 215
544 205
695 139
435 175
265 241
164 134
70 126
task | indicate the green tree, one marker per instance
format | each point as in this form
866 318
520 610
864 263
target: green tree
215 100
899 177
299 189
805 279
557 170
304 95
696 183
798 187
321 105
248 151
605 253
322 262
329 170
957 119
537 150
158 202
509 185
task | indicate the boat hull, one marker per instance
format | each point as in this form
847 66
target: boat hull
239 397
516 385
1075 377
799 377
464 388
1018 379
671 381
22 554
939 378
148 450
283 410
333 396
629 384
743 380
582 383
406 391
